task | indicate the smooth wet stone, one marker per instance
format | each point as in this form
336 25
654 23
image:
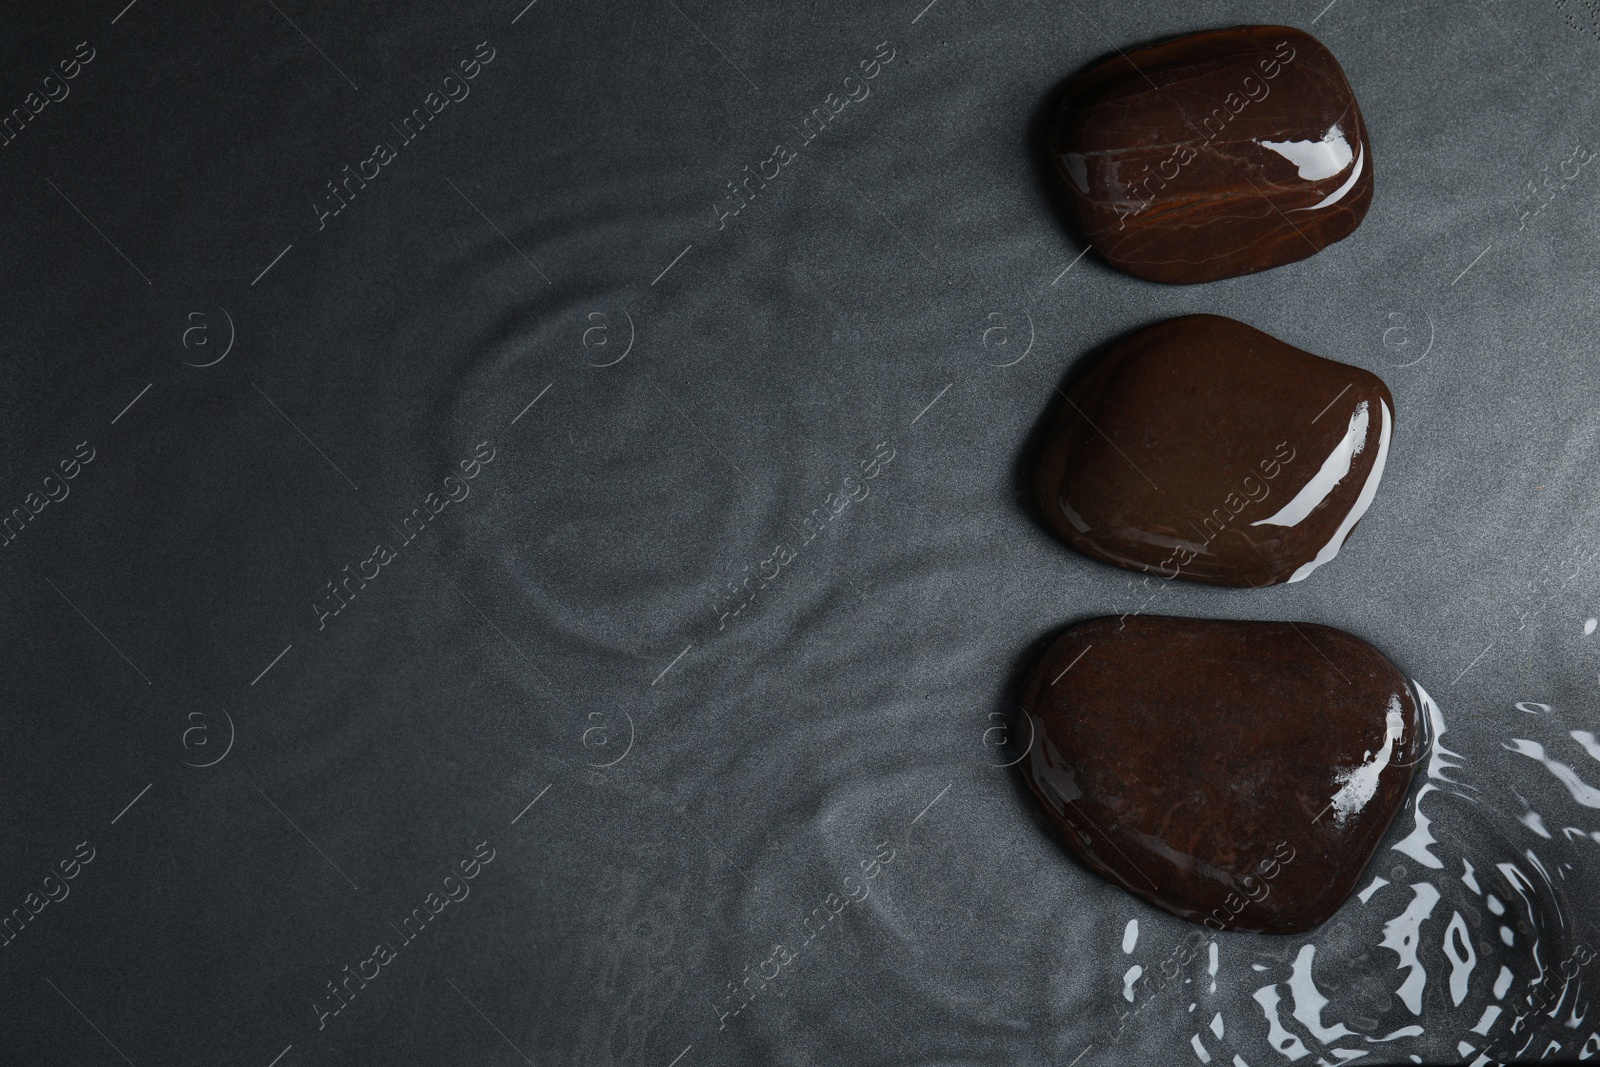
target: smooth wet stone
1214 155
1236 774
1204 449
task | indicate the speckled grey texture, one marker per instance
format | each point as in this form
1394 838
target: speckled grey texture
896 303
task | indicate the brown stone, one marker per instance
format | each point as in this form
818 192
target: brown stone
1214 155
1236 774
1204 449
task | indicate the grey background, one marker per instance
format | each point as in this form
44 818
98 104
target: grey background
902 282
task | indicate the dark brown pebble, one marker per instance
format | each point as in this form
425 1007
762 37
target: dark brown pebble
1214 155
1204 449
1236 774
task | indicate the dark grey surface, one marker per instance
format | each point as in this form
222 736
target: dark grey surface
901 283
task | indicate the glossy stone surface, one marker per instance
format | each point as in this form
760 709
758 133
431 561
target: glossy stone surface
1214 155
1201 448
1236 774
